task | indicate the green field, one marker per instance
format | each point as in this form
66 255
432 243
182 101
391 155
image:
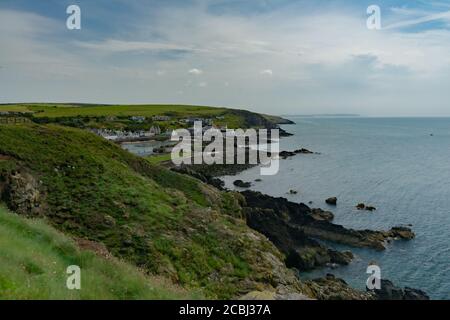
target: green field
68 110
14 108
34 258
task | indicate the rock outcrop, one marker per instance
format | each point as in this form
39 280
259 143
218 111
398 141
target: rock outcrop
287 154
356 238
400 233
242 184
389 291
270 217
21 192
290 225
273 295
322 215
331 201
332 288
362 206
284 133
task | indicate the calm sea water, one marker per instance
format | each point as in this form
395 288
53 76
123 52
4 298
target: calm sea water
399 165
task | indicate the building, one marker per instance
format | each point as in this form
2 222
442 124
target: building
139 119
204 121
161 118
122 135
155 130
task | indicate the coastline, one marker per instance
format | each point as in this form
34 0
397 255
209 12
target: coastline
295 236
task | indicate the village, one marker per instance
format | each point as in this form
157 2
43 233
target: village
124 135
155 131
131 129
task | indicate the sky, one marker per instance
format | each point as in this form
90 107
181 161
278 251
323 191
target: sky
271 56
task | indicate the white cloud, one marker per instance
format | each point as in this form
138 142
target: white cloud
266 72
195 72
423 19
113 45
325 61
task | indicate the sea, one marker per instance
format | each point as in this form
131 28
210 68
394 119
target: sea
399 165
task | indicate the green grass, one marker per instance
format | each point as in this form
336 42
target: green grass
157 159
34 258
68 110
166 223
14 108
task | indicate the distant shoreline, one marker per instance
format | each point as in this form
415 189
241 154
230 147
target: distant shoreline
321 115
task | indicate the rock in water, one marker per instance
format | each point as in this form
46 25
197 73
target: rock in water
361 206
271 216
287 154
402 233
242 184
389 291
331 201
415 294
303 150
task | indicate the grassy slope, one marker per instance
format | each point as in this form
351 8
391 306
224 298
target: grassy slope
163 222
34 258
14 108
159 158
230 117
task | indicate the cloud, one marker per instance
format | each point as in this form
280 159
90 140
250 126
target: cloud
427 18
266 72
195 72
112 45
325 59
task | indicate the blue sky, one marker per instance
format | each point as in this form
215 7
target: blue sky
273 56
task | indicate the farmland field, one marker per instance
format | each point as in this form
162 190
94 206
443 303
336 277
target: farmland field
71 110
